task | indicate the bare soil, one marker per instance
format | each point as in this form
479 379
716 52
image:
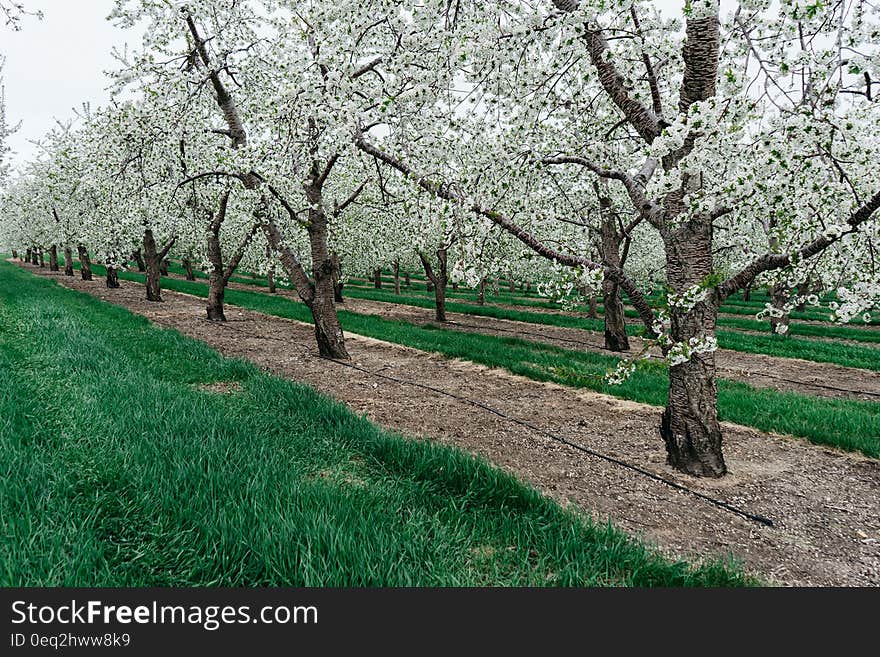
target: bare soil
823 502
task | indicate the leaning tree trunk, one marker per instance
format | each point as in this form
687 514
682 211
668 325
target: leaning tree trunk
53 258
112 277
690 426
68 261
779 298
85 263
152 262
615 318
397 278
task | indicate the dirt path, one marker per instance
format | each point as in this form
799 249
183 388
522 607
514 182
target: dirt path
789 374
824 503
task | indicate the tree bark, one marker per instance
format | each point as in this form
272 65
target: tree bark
188 267
112 278
337 277
28 255
593 312
397 277
438 281
85 263
377 279
689 425
14 254
152 260
53 258
747 293
163 267
511 286
406 280
615 318
68 261
139 259
42 259
270 277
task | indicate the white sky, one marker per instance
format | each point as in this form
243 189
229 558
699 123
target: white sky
57 64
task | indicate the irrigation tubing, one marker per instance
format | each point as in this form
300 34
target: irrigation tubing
565 441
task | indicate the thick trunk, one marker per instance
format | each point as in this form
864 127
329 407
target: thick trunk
216 280
377 279
152 261
397 278
779 298
68 261
690 425
437 281
328 330
615 319
216 295
112 278
481 294
85 263
53 258
139 259
188 267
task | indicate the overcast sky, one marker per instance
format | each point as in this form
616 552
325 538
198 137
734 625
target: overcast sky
55 65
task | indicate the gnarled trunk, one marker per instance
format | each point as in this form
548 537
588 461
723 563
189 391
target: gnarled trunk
85 263
53 258
112 277
689 425
152 261
68 261
615 318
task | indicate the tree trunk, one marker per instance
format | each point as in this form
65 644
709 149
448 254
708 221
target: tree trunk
615 319
593 312
27 256
455 286
438 281
689 425
803 290
42 259
406 280
747 293
270 277
397 278
216 279
328 330
152 261
85 263
188 267
53 258
429 286
68 261
337 277
779 297
481 294
112 278
377 279
163 267
14 254
139 259
511 286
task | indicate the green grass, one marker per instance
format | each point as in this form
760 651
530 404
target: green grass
847 424
118 470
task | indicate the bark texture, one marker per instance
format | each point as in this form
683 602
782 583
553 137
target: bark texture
437 279
112 278
68 261
85 263
53 258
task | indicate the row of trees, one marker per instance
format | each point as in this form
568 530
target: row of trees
589 146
